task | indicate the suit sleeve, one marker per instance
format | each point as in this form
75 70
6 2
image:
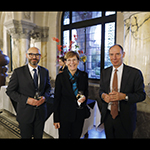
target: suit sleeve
138 94
102 86
85 77
57 98
12 89
47 87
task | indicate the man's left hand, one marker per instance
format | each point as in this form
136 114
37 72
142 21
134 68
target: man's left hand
117 96
41 101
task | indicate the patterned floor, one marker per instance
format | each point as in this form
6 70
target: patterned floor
9 127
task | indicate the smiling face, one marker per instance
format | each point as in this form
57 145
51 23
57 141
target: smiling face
72 63
33 55
116 56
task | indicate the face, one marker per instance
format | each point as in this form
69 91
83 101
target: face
33 55
72 63
61 63
116 56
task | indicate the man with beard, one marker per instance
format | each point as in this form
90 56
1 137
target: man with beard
30 87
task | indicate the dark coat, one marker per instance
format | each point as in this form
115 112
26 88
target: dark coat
21 86
132 85
65 102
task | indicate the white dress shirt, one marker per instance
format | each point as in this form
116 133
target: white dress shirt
119 75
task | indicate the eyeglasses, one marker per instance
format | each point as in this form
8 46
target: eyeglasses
31 55
71 60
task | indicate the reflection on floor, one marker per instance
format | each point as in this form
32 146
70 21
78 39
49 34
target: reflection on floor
96 133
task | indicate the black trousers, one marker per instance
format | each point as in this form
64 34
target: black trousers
72 129
34 129
114 127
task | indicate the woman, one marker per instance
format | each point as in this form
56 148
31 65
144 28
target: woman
69 111
62 63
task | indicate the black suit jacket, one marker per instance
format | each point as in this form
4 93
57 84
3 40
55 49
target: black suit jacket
21 86
132 85
65 102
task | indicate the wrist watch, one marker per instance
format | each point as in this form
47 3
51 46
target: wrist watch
126 98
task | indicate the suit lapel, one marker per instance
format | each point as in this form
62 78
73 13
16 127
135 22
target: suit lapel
67 83
28 75
108 77
41 77
125 76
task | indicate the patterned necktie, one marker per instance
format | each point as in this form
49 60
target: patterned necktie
114 105
35 79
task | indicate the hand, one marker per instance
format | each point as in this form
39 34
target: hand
41 101
82 99
117 96
57 125
106 97
32 101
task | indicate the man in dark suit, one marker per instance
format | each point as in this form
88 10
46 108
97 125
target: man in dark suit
30 87
130 91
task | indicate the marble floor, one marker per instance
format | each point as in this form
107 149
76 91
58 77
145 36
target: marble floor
94 133
9 120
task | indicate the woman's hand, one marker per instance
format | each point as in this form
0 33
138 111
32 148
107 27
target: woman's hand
82 99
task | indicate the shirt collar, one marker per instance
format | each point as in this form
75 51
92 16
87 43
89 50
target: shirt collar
119 68
75 75
31 68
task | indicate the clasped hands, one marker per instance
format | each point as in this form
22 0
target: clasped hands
113 96
34 102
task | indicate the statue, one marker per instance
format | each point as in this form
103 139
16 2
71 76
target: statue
4 60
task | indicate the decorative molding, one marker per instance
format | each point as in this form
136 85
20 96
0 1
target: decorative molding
27 15
19 29
24 29
40 34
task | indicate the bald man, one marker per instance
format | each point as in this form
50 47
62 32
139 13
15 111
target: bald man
119 99
30 87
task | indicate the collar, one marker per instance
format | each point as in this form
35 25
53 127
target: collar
119 68
31 68
75 75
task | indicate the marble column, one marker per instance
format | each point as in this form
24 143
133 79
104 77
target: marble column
19 49
20 33
137 41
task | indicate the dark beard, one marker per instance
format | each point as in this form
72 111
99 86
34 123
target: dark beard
33 63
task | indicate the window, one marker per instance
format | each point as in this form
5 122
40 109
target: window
96 34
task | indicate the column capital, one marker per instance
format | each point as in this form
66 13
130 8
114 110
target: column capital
40 34
19 29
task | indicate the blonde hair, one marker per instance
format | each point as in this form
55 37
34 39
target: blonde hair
71 54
